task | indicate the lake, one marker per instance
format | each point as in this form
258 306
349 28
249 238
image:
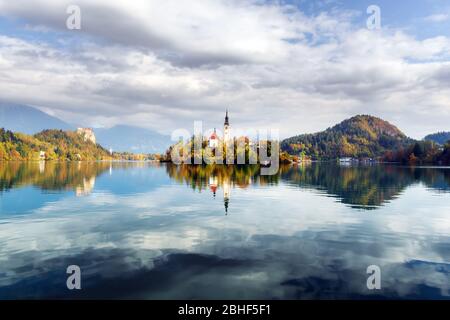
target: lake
159 231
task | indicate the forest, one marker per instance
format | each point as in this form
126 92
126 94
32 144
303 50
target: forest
57 145
420 152
362 136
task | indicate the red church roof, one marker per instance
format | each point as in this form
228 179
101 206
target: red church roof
213 136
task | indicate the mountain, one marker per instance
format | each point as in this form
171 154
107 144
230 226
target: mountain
49 145
29 120
440 137
132 139
21 118
360 136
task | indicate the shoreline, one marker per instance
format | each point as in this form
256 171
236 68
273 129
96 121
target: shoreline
342 164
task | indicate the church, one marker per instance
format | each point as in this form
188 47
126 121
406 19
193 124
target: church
214 138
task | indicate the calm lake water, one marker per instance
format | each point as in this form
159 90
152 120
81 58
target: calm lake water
150 231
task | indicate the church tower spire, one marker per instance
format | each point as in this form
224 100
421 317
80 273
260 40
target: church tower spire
226 128
227 123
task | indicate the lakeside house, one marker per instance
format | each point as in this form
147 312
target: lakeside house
350 160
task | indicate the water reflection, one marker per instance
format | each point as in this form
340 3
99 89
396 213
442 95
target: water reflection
361 187
51 176
143 230
364 187
219 178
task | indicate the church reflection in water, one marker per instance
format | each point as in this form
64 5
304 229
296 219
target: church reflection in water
360 187
226 189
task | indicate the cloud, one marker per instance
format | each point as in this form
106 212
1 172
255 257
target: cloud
164 65
439 17
205 32
291 252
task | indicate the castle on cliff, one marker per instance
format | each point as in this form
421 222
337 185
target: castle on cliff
87 134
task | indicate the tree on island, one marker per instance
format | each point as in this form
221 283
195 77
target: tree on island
197 151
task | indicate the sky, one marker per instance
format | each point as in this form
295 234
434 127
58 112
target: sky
298 66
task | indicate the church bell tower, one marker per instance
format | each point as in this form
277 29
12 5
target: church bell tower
226 128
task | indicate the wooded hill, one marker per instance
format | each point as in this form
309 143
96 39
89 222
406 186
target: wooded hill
56 144
362 136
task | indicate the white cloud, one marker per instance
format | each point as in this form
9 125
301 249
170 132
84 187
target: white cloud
165 64
439 17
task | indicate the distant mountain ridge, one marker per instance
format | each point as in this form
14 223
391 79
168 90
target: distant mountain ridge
132 139
121 138
360 136
29 120
439 137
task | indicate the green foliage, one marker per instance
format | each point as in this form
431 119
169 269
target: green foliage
188 153
420 152
58 175
362 136
199 177
57 145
